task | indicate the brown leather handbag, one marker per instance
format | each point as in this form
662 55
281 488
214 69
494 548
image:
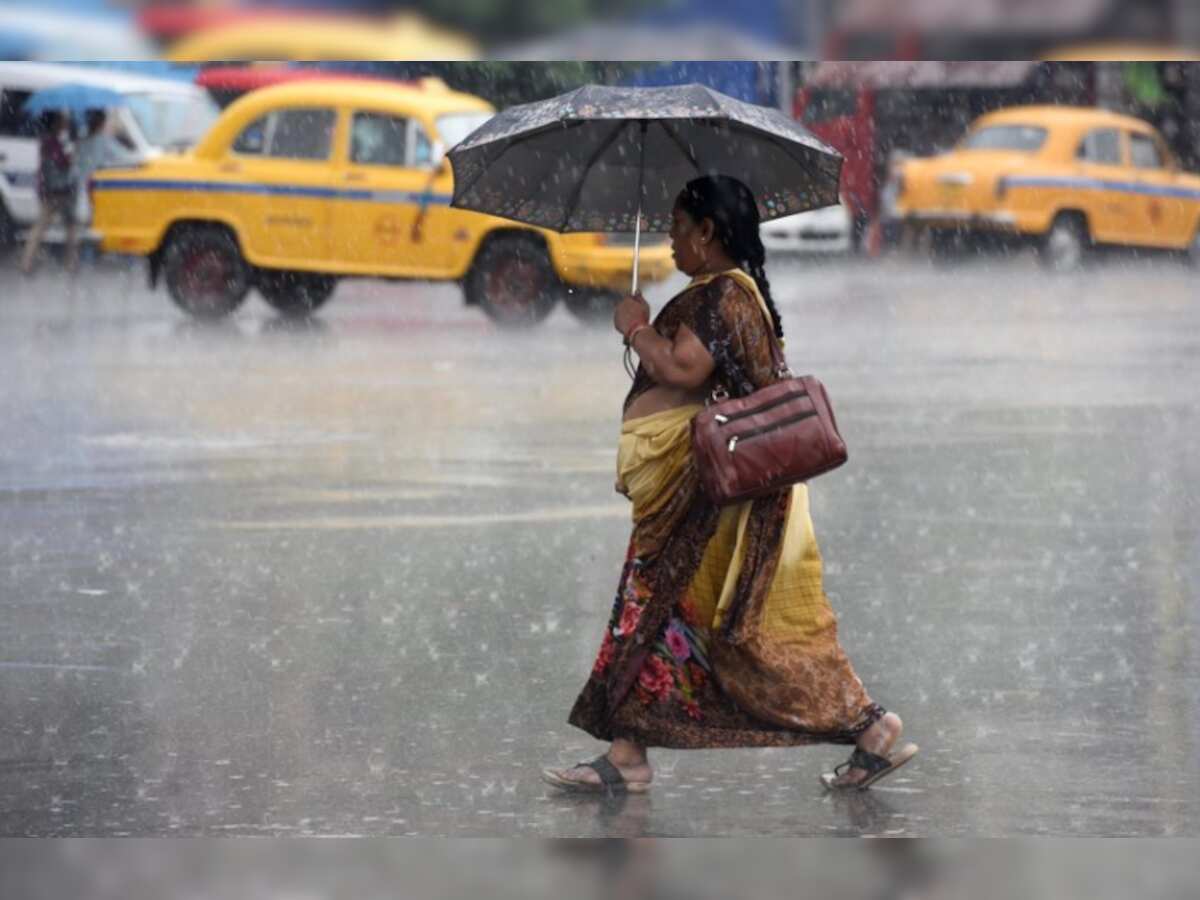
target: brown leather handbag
775 437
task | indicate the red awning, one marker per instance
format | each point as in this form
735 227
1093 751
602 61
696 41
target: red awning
975 16
169 22
240 79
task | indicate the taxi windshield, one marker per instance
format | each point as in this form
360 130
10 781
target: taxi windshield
1025 138
453 127
171 121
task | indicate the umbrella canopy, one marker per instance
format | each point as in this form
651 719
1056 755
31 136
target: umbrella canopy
588 160
75 98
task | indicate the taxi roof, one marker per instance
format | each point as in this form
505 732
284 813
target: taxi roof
323 37
430 98
1072 116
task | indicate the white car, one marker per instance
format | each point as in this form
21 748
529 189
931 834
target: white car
159 115
827 230
54 31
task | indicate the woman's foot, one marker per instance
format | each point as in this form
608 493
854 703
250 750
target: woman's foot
632 765
879 739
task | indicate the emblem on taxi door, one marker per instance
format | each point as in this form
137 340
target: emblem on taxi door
388 230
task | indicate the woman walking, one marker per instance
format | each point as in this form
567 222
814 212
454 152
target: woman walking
56 186
664 676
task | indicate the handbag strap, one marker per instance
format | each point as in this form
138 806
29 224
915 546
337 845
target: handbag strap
782 370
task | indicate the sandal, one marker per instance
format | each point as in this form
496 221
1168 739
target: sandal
873 764
611 780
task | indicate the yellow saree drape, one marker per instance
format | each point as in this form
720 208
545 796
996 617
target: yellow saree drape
651 458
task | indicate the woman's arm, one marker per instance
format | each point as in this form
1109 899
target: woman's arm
680 363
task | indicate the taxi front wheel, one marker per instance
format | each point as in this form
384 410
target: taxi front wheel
513 281
204 272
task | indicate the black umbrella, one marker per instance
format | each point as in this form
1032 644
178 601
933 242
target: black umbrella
613 159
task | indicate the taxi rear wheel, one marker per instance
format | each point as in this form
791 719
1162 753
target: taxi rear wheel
205 273
513 281
592 305
1193 250
295 293
1064 247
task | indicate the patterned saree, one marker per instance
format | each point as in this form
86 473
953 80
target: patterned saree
721 634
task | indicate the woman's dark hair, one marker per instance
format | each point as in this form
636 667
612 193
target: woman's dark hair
734 212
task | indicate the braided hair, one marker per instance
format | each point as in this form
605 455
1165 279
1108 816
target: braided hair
734 212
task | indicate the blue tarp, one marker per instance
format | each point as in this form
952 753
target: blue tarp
753 82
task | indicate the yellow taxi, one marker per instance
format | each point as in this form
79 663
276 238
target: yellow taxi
275 35
300 184
1068 178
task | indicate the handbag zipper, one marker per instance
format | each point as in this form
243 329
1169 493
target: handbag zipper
763 429
778 401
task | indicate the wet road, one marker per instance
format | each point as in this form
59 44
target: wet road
347 578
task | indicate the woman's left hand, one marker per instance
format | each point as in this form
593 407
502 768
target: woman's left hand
632 310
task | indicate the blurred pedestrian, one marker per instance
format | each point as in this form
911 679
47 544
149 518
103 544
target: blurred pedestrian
57 183
97 149
663 677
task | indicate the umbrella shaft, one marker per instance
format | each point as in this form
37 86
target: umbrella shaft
637 228
637 247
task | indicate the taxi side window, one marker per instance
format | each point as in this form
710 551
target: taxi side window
1101 146
302 134
379 140
422 154
1144 152
253 139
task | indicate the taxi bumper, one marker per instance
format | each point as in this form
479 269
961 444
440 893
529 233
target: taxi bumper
612 267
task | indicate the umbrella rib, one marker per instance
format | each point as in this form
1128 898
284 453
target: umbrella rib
786 147
608 142
691 157
504 148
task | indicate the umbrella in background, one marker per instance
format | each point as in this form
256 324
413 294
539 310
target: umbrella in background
75 98
613 159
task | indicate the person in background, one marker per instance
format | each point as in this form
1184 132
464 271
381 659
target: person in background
57 186
98 149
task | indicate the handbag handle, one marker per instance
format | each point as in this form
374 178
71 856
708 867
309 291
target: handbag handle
720 393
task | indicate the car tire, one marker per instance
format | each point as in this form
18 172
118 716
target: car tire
590 305
513 281
295 294
946 246
8 231
205 273
1064 247
1193 250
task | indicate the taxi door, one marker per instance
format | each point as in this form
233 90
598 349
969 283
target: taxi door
1107 196
386 174
1165 211
274 182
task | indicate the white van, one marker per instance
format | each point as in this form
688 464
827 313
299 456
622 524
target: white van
160 116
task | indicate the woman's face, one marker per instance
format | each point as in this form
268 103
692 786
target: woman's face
689 241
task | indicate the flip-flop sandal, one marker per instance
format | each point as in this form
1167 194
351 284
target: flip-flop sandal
611 780
876 767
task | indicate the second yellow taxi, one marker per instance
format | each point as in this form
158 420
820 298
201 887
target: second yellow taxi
1067 178
298 185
